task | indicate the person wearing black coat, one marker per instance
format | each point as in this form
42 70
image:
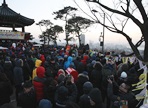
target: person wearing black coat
6 89
27 98
82 78
8 69
96 75
95 98
123 95
84 101
66 91
18 76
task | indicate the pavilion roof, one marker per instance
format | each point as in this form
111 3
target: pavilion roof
9 18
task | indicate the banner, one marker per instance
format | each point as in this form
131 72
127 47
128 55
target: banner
12 35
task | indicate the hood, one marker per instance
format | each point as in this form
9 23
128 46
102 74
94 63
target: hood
38 63
19 62
62 92
40 71
85 57
69 59
48 58
87 86
61 71
95 95
83 75
44 103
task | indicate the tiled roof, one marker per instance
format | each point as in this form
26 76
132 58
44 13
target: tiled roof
8 17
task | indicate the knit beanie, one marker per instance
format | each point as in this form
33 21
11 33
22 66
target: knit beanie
123 75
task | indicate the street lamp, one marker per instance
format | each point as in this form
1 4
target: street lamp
101 41
103 33
101 38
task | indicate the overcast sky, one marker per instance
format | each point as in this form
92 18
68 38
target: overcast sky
43 9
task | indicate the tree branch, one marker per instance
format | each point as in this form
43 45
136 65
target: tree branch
127 14
141 9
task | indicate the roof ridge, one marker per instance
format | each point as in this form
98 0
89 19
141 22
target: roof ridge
4 3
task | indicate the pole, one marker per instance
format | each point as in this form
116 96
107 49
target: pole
103 33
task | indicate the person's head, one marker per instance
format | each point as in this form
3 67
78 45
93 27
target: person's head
44 103
95 98
61 78
40 72
62 92
123 75
87 86
123 88
68 79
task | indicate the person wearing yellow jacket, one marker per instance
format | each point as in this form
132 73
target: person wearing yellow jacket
37 64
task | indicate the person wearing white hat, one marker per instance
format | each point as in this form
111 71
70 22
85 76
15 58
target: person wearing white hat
123 78
123 75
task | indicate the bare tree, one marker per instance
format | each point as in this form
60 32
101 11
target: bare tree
123 11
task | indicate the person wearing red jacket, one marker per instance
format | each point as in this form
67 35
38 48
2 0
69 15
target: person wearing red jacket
42 58
38 83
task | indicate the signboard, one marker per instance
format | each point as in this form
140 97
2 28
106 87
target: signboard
5 34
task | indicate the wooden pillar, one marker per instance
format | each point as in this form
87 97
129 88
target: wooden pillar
23 29
13 28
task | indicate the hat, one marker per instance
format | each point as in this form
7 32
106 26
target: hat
123 75
93 62
87 86
44 103
85 73
95 95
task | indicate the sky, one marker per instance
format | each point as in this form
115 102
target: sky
43 9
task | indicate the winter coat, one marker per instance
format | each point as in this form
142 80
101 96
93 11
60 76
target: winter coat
37 64
107 70
72 72
27 99
38 83
26 71
69 62
6 90
82 78
84 60
42 58
96 75
95 96
123 96
18 73
50 88
61 97
8 69
72 91
84 100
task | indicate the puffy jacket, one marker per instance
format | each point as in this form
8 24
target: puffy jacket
38 83
37 64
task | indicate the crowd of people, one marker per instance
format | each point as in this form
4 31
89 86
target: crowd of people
67 77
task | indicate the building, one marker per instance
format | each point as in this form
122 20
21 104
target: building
11 19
